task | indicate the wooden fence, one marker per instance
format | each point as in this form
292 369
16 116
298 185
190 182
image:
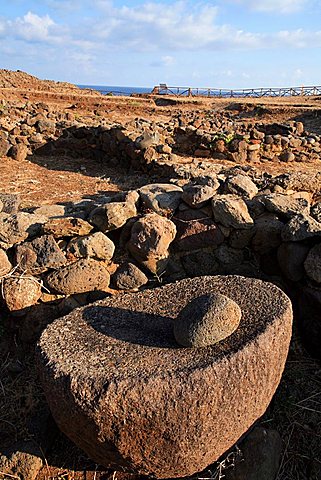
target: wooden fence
163 89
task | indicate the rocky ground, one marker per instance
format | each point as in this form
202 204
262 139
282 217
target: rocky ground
59 144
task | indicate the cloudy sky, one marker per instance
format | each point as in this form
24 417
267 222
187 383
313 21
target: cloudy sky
222 43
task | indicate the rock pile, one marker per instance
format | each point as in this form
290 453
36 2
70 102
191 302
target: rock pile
164 411
67 255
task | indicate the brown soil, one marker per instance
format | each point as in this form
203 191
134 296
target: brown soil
295 412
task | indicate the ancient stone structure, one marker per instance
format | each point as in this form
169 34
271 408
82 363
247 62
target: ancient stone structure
120 387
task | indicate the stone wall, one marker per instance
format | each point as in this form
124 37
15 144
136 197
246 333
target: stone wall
27 128
57 257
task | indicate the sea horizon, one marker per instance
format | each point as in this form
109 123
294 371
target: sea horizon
116 89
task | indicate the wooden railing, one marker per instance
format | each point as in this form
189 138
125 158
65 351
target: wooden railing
239 93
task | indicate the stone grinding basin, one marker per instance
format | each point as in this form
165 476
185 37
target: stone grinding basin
120 387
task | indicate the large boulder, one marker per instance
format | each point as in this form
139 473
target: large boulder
119 386
150 238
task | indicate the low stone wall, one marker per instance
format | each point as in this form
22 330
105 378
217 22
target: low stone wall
27 128
57 257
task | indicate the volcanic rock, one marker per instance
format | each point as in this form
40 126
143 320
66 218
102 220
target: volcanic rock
67 227
161 197
241 185
206 320
231 211
312 263
150 238
5 265
129 277
20 292
82 276
39 255
119 387
97 245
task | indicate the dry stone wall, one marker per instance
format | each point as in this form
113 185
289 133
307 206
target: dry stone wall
27 128
57 257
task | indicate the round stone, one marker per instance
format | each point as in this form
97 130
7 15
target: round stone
206 320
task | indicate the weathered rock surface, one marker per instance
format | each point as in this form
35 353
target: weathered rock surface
5 265
97 245
67 227
241 185
24 461
20 292
287 205
150 238
197 195
128 276
291 257
112 215
161 197
301 227
261 455
10 201
196 230
163 411
82 276
39 255
206 320
268 229
312 264
231 211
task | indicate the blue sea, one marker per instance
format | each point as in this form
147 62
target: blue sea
116 90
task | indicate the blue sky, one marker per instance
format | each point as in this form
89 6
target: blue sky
223 43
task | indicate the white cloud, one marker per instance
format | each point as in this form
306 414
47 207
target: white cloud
32 27
277 6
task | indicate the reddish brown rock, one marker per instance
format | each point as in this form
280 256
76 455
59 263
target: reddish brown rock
196 230
150 238
5 265
67 227
39 255
79 277
20 292
119 387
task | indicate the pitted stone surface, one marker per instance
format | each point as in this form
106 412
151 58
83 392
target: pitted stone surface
120 388
206 320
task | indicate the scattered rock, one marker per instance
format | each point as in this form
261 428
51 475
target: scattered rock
10 201
161 197
301 227
316 212
196 230
112 215
20 292
231 211
82 276
97 245
23 461
197 195
67 227
5 265
39 255
241 185
309 319
19 152
312 264
287 205
129 277
150 238
291 257
206 320
261 455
